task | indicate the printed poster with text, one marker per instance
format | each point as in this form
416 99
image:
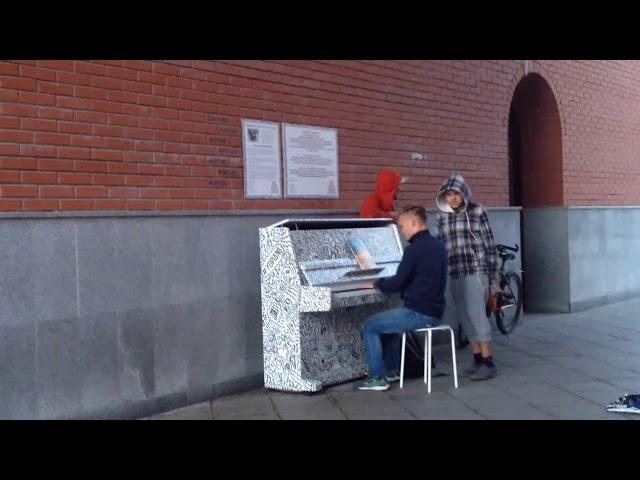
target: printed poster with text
262 167
311 161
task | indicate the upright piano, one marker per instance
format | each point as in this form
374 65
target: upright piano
313 300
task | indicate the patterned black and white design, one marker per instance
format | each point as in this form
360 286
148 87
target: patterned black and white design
332 343
315 299
311 335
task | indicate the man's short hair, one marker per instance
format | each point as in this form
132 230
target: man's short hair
417 211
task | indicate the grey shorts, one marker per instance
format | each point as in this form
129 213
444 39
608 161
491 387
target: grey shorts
466 300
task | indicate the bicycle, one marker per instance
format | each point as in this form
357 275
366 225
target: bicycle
509 299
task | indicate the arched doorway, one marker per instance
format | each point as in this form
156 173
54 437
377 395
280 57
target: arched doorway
535 169
535 145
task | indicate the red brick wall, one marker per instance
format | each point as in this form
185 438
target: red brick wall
599 105
161 135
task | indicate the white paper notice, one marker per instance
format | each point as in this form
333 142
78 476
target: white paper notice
311 161
262 170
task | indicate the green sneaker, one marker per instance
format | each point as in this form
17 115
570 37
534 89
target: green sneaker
392 376
375 384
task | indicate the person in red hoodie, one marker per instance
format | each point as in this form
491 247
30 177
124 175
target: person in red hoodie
380 203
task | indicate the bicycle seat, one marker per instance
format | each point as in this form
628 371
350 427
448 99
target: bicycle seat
505 252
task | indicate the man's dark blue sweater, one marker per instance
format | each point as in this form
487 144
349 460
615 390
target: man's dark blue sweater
421 277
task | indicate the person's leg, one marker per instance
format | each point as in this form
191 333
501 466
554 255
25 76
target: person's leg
476 290
392 342
485 331
373 343
391 346
485 349
457 299
450 316
393 321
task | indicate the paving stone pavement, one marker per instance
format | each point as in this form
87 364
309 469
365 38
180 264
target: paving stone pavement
553 367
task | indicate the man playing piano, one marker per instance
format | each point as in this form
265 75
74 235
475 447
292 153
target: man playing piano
421 280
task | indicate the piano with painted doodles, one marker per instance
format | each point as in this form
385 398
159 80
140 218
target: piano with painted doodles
314 297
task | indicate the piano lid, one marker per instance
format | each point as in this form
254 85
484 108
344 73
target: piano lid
332 223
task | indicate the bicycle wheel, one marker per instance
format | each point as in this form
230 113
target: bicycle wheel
509 303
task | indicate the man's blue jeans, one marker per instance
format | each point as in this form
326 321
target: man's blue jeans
382 338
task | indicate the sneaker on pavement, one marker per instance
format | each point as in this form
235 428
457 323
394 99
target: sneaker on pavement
392 376
470 370
625 404
484 372
375 384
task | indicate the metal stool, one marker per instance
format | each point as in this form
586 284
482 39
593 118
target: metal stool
427 354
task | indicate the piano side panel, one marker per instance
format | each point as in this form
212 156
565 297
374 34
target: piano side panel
280 292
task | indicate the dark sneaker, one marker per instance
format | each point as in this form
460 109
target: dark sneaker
375 384
484 372
392 376
470 370
625 404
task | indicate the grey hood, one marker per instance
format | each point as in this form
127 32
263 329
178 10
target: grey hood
454 182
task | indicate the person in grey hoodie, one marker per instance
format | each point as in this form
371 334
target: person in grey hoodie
463 226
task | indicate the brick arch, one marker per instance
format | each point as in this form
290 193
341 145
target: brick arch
535 142
525 68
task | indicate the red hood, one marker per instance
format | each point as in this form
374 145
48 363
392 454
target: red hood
387 185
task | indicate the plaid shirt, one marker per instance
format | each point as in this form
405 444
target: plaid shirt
467 236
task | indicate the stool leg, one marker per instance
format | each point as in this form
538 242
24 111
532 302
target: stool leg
453 355
425 357
404 341
429 370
